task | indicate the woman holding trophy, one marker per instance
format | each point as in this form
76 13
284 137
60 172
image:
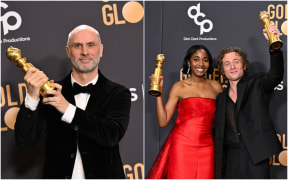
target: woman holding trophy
188 152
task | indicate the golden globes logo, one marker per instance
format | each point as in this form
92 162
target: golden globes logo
278 13
9 100
281 159
134 172
132 12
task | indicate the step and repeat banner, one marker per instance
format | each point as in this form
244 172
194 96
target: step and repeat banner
40 30
172 27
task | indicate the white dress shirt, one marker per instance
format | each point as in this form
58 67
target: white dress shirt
81 101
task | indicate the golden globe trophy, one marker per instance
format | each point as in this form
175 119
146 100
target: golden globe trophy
274 41
155 87
15 55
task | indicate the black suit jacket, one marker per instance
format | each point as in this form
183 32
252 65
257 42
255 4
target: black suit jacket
255 124
97 130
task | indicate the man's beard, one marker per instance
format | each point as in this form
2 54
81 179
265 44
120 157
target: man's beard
82 69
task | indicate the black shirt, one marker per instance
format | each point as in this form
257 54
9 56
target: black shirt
231 121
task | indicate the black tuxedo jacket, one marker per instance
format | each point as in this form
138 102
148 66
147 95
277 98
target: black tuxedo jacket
97 131
255 125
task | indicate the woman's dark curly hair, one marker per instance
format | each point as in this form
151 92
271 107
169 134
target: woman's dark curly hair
190 52
242 54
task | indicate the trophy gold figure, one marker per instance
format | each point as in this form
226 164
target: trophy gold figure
15 55
274 41
155 87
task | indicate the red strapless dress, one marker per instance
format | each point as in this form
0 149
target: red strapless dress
188 152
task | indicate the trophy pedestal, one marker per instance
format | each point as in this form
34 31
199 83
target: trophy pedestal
155 90
276 45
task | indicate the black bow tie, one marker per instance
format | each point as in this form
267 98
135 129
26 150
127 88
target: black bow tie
76 89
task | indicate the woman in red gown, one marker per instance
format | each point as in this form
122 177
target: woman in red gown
188 152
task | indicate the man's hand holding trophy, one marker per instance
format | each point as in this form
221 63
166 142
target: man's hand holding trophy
274 41
15 55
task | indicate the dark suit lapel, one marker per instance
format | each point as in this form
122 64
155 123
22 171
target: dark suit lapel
98 92
241 91
221 111
67 89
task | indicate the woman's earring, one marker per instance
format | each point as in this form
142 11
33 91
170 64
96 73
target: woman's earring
188 70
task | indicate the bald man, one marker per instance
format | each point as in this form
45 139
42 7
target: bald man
83 118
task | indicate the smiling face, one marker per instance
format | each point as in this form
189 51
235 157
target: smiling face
84 49
199 63
233 66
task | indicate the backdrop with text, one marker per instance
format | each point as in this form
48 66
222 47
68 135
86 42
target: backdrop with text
172 27
40 30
